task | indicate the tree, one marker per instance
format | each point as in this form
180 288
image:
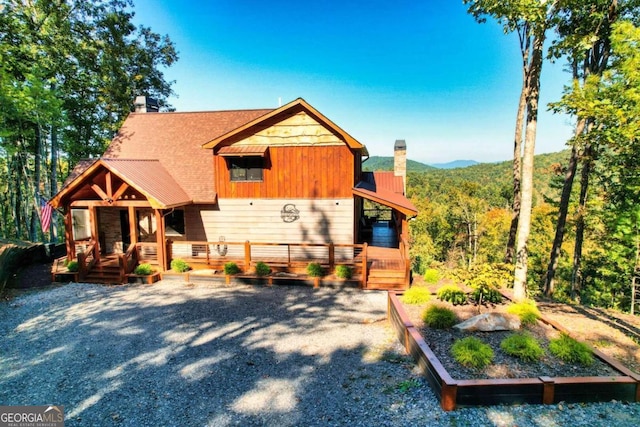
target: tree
531 18
584 30
69 72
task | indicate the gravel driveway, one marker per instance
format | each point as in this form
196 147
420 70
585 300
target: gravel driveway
177 354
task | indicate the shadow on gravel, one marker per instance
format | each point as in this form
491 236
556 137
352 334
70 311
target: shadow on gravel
170 355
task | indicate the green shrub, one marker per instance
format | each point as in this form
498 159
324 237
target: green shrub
472 353
231 268
179 265
526 311
452 294
143 270
416 295
484 293
344 272
262 269
570 350
73 266
522 346
438 317
314 270
431 276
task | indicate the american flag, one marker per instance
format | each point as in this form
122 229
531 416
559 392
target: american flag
45 215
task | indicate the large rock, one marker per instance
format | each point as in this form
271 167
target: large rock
488 322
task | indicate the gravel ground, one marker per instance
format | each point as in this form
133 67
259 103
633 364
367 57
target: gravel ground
177 354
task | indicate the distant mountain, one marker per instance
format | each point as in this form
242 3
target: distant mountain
455 164
381 163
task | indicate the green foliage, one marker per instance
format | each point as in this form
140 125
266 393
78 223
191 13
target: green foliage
483 294
315 270
472 352
73 266
452 294
344 272
431 275
571 350
179 265
438 317
522 346
262 269
382 163
526 311
143 270
231 268
416 295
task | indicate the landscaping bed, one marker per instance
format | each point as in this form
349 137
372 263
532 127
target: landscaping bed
507 380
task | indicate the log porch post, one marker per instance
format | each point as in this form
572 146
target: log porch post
93 220
162 259
68 234
133 226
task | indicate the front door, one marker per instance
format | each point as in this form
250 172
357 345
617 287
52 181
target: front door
125 229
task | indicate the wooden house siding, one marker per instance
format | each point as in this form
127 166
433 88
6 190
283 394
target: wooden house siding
260 220
295 173
296 165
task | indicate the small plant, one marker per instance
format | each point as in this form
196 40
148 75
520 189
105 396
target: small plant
231 268
472 353
262 269
438 317
143 270
484 293
344 272
314 269
526 311
179 265
416 295
431 276
571 350
522 346
406 385
73 266
452 294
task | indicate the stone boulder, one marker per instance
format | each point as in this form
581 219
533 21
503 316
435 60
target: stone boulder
488 322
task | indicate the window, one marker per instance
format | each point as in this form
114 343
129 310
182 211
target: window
81 224
246 168
174 223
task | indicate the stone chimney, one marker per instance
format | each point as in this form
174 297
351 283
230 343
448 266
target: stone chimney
145 104
400 161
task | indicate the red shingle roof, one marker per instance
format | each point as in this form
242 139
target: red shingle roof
384 179
176 139
151 179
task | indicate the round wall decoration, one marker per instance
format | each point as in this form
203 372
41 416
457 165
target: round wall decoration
289 213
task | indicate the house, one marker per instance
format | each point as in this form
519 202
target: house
283 183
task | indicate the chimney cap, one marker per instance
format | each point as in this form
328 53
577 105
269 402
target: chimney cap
400 145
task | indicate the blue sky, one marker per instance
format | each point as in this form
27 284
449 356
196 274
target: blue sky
423 71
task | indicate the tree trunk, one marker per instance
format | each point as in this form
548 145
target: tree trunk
576 275
54 181
517 173
37 160
549 282
524 222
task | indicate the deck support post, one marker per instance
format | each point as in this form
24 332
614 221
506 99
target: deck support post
162 259
247 256
363 284
95 232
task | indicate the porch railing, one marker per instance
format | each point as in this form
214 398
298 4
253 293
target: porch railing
87 259
288 255
127 262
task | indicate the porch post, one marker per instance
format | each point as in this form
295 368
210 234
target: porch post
133 227
160 233
68 234
93 220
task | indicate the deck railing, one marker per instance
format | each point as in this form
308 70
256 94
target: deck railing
87 259
276 254
127 261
